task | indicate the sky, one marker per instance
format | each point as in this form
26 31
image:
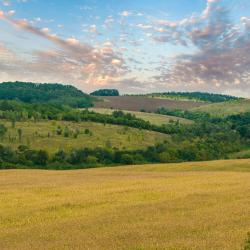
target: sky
136 46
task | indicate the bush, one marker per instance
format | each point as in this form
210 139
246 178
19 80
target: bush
247 243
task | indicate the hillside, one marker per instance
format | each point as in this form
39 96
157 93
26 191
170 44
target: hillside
44 93
148 104
193 206
226 108
51 136
153 118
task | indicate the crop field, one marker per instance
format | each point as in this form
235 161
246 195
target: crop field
226 108
156 119
138 103
203 205
44 135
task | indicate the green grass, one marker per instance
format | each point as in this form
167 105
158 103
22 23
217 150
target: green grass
226 108
204 205
244 154
42 135
156 119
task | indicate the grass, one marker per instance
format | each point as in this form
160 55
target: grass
156 119
226 108
42 135
204 205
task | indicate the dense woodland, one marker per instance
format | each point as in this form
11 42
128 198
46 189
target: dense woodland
206 139
199 96
45 93
105 92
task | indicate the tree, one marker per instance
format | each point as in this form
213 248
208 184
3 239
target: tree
3 130
20 134
127 159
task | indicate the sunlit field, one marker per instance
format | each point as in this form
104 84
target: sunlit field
173 206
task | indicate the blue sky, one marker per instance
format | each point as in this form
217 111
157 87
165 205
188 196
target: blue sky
135 46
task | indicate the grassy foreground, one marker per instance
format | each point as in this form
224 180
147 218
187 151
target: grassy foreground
173 206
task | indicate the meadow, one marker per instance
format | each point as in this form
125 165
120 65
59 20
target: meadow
153 118
44 135
203 205
226 108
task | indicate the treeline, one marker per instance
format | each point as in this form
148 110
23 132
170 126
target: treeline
199 96
198 143
105 92
45 93
121 118
191 115
16 111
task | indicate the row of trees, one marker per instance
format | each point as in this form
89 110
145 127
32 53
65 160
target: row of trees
198 96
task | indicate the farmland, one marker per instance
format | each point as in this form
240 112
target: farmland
156 119
43 135
203 205
138 103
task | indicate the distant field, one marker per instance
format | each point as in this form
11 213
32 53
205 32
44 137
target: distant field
204 205
156 119
137 103
42 135
226 108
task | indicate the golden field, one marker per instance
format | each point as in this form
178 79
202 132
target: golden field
203 205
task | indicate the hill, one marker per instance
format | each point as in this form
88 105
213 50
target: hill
226 108
153 118
44 93
62 135
202 205
139 103
105 92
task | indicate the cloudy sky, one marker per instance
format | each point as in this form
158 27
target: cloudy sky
135 46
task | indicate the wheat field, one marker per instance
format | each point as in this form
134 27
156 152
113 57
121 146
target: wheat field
204 205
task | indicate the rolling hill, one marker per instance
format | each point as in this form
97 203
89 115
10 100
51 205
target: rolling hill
44 93
225 108
44 135
203 205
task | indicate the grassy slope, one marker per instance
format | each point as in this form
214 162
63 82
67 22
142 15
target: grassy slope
151 117
36 134
226 108
176 206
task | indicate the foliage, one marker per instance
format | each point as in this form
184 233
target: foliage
3 130
199 96
247 243
105 92
44 93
